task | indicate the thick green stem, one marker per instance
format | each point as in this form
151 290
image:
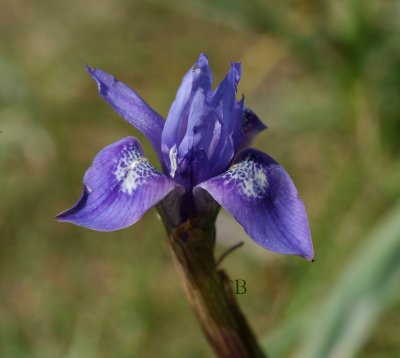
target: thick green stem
208 290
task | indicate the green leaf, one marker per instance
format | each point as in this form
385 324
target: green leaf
367 287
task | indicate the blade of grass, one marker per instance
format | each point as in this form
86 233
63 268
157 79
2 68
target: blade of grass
367 287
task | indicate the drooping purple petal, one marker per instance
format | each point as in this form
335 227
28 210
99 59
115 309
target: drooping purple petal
199 78
260 195
119 187
251 126
129 105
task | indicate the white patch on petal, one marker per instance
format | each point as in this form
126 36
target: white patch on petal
132 169
215 139
196 69
249 177
172 159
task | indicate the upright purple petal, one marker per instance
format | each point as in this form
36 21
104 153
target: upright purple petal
237 135
119 187
129 105
224 96
260 195
193 150
206 149
223 153
199 78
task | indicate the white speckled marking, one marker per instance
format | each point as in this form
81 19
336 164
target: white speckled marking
249 176
132 169
196 69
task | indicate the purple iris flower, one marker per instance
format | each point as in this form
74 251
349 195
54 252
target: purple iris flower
203 150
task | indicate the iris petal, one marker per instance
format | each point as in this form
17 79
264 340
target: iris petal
199 78
119 187
129 105
251 126
198 137
225 96
260 195
223 153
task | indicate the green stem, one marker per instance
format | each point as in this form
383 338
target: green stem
208 290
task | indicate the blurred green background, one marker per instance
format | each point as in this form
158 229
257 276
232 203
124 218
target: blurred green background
323 75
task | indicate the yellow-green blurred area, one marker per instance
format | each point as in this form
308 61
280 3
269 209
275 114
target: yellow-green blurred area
323 75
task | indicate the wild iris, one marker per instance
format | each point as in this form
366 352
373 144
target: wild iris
203 150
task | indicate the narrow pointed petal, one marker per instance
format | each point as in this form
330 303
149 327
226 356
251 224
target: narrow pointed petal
225 94
119 187
251 126
260 195
237 134
130 106
229 83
